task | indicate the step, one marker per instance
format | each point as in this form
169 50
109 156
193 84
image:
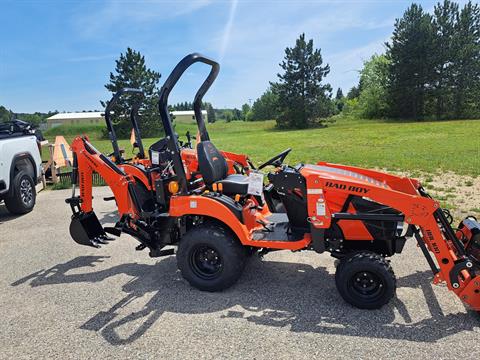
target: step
280 232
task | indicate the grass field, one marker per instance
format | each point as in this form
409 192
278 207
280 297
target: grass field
432 147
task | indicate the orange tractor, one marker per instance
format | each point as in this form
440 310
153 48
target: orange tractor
217 208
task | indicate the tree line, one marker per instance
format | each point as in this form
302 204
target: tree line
36 118
430 70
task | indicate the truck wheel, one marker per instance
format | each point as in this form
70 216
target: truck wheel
23 195
210 257
365 280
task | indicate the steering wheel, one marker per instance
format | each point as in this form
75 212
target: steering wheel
277 160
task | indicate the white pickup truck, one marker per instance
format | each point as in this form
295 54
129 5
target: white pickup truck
20 166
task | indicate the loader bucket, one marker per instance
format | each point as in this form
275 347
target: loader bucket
85 229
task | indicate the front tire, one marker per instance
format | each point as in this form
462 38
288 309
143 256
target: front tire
23 194
210 257
365 280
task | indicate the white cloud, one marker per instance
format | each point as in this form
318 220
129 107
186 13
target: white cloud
116 13
228 29
92 58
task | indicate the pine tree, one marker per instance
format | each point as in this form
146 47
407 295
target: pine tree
445 17
466 62
131 72
302 98
210 113
411 63
339 95
245 110
339 101
353 93
5 114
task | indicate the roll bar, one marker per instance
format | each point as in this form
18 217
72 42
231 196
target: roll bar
167 87
111 131
172 80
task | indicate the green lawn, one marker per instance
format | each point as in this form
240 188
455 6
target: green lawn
411 146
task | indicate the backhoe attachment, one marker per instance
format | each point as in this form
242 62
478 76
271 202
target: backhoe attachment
85 229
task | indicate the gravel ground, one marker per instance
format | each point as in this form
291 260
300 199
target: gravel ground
62 300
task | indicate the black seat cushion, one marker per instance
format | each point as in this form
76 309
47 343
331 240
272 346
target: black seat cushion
211 163
235 184
214 169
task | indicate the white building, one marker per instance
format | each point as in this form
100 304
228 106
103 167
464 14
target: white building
187 116
75 118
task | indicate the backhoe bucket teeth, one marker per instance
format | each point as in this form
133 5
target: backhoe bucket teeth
85 229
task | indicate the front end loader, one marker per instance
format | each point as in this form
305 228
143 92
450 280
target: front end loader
217 209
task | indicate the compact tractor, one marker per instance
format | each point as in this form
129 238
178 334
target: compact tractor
218 209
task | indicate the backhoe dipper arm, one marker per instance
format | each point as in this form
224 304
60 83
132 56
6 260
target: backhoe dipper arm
90 160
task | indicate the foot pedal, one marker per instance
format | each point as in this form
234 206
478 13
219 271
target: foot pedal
265 226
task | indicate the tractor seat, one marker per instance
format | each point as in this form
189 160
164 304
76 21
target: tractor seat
214 169
234 184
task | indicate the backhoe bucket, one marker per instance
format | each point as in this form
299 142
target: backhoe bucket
85 229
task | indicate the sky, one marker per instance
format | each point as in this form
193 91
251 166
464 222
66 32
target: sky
57 55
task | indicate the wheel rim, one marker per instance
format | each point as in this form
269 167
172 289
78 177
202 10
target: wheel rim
367 285
206 262
26 192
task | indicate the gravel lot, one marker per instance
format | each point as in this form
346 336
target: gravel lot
62 300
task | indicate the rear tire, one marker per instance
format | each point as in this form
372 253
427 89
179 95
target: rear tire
210 257
365 280
23 194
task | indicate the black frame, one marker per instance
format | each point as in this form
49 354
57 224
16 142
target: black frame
133 118
172 143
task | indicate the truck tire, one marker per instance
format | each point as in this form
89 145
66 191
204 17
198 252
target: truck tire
365 280
210 257
22 194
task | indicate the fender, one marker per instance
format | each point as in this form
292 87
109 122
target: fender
206 206
22 156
